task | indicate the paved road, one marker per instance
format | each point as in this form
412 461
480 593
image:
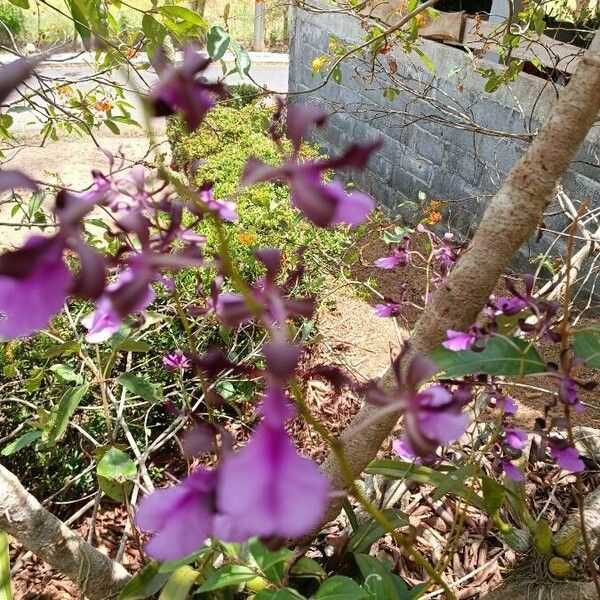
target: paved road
271 75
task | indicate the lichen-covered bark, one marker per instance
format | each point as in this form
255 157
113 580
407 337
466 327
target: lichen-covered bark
26 520
510 219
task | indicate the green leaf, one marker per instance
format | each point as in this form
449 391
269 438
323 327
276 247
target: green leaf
172 565
139 386
453 482
112 126
144 584
501 356
66 372
396 469
5 587
115 473
63 349
116 465
21 442
242 61
130 345
368 533
336 74
306 567
179 585
377 580
270 562
426 60
227 576
181 12
20 3
587 346
340 587
493 495
217 42
60 414
280 594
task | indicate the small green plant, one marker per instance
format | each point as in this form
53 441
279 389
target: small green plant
11 18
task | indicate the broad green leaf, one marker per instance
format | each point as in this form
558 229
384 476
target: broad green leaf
112 126
133 346
306 567
66 372
63 349
501 356
138 386
217 42
227 576
80 21
586 345
117 490
145 584
115 473
377 579
20 3
453 482
5 587
397 469
493 495
172 565
368 533
60 414
116 465
21 442
270 562
340 587
155 33
179 585
242 61
426 60
280 594
181 12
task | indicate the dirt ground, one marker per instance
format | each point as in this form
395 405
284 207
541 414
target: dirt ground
69 162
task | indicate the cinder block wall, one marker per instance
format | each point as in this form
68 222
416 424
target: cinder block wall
461 167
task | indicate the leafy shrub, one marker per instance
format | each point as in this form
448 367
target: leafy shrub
12 18
225 141
242 94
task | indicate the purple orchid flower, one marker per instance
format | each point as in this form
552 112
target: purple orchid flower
512 471
459 340
388 309
181 517
565 455
34 283
515 438
176 361
180 89
567 393
507 404
432 416
322 203
131 293
400 257
223 208
267 489
446 254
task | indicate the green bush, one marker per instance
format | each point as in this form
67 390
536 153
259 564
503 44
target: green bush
266 218
12 18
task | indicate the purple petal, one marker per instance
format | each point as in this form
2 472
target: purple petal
300 118
14 73
268 489
353 209
442 426
11 180
28 303
515 438
282 358
568 458
458 340
384 310
435 396
256 171
512 471
388 262
508 405
101 324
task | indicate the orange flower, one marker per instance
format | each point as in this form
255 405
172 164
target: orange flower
103 106
65 90
130 52
246 238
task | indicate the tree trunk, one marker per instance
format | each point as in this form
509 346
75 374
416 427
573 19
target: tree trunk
510 219
26 520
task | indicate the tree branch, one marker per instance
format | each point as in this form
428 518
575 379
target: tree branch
25 519
510 219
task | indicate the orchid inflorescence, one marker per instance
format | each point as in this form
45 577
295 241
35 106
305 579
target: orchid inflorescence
266 488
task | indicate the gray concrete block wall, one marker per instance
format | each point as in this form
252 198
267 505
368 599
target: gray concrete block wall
459 166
